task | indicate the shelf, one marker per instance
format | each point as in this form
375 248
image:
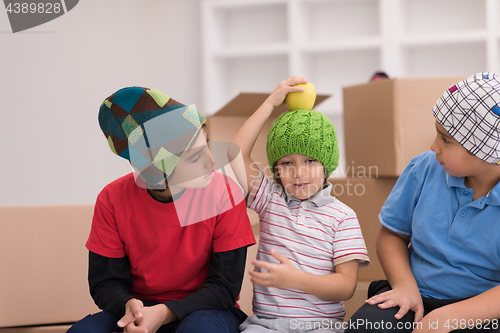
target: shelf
331 71
252 45
252 51
445 60
239 23
368 43
439 16
325 21
471 36
249 74
231 4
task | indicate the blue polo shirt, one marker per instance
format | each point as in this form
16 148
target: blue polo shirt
455 242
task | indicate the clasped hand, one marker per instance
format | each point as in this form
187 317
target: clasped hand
143 319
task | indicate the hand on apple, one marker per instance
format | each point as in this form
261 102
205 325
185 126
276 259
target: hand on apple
301 99
284 88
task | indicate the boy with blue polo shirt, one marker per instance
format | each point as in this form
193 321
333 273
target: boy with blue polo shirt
439 243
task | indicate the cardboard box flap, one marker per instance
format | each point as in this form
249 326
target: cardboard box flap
245 104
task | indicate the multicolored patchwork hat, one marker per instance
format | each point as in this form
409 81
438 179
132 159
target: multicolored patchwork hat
305 132
470 112
149 129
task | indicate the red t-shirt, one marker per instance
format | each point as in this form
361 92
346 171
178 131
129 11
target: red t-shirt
168 254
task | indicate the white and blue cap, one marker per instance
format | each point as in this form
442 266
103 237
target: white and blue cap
470 112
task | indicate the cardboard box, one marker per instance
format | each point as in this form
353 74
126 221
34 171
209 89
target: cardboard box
388 122
224 124
365 196
37 329
44 264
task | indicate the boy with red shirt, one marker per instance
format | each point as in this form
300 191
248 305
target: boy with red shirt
168 241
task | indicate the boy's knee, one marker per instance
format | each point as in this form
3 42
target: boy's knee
372 319
101 322
209 321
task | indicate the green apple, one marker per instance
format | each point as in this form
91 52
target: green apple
301 99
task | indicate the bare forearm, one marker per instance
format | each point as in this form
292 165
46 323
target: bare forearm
338 286
248 133
479 310
334 286
392 251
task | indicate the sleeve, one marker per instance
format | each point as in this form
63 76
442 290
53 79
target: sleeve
397 212
222 287
104 237
233 229
110 283
260 193
348 243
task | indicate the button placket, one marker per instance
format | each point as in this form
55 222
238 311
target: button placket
301 211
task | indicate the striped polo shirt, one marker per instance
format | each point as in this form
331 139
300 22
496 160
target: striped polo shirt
315 234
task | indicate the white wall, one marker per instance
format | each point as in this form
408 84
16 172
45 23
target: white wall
54 77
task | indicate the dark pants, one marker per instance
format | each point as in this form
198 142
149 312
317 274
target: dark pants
371 319
206 321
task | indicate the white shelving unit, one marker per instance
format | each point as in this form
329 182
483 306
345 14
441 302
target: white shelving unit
251 45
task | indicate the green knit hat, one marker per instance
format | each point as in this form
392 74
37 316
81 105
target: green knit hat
305 132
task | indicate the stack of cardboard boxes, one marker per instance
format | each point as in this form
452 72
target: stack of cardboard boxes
386 124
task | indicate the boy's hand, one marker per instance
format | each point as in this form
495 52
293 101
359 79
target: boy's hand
147 319
278 275
405 298
286 86
133 313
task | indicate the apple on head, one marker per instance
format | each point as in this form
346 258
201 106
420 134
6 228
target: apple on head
301 99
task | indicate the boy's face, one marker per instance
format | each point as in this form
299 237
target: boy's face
301 176
453 157
195 168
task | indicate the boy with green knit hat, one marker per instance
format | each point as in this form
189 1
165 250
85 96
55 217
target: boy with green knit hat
310 243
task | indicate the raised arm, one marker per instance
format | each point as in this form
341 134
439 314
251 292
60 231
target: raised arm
248 133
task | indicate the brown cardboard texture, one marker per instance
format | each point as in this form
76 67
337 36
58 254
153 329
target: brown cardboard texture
365 196
44 264
37 329
224 124
388 122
